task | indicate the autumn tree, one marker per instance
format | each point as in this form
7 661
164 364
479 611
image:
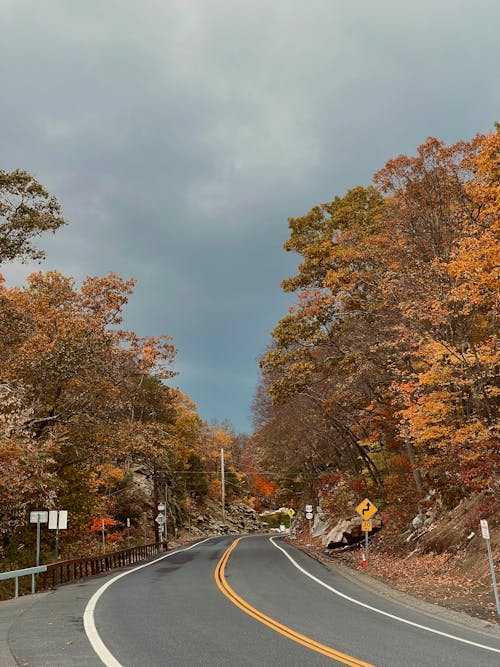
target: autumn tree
83 378
435 213
26 211
390 353
26 467
322 348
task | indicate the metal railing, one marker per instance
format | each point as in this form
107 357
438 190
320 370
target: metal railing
25 572
62 572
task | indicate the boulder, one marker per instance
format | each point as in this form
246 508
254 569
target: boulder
320 524
347 531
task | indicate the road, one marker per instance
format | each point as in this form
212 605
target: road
245 602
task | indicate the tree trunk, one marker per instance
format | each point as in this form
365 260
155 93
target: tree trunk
414 467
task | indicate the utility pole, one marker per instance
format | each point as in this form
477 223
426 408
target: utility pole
222 485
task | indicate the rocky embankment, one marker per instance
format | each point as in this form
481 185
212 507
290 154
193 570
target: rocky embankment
238 518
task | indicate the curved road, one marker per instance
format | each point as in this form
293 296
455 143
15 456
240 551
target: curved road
246 602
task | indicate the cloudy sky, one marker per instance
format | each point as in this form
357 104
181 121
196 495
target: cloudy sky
179 136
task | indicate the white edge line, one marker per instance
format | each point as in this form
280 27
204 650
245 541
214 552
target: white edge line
379 611
88 615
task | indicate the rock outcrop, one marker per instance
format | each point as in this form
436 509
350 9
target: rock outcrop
238 518
347 531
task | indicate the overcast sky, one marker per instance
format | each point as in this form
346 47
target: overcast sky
179 136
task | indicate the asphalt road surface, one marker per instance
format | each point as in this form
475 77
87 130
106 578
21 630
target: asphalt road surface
229 602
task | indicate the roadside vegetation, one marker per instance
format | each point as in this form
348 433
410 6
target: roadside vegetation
90 418
381 382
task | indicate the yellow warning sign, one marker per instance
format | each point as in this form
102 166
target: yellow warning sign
366 509
291 512
366 525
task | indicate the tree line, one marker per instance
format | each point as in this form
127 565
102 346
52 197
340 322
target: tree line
382 379
89 419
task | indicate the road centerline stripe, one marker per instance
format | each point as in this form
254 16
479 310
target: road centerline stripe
308 642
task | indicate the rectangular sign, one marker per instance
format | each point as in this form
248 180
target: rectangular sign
485 530
63 519
58 519
309 508
366 525
37 516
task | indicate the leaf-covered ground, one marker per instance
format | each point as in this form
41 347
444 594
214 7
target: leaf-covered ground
431 577
459 580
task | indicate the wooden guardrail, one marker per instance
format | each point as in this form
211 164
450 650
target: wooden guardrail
64 571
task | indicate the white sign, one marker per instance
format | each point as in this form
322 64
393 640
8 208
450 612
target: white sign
161 506
58 519
160 519
282 527
63 519
309 508
309 515
485 531
41 517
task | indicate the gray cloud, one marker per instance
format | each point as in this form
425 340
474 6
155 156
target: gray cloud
179 136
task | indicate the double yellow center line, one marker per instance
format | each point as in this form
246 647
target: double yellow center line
225 588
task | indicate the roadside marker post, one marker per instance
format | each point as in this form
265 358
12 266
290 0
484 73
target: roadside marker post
309 516
485 532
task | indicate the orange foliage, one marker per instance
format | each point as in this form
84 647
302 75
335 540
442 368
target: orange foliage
265 487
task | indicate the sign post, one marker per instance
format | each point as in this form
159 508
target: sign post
38 518
485 532
58 520
161 521
162 508
366 509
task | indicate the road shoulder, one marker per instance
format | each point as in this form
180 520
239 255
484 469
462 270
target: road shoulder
378 587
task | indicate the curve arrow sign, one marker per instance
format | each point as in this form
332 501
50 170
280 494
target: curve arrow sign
366 509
